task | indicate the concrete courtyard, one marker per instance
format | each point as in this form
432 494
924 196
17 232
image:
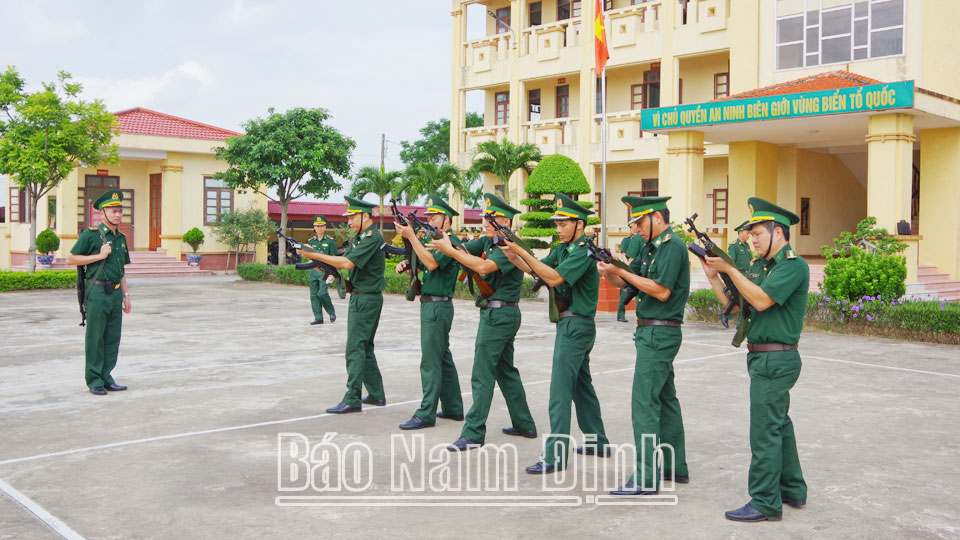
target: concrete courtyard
217 368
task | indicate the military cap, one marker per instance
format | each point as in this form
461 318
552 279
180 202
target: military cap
567 208
436 205
741 226
767 211
641 206
498 207
319 220
113 197
358 206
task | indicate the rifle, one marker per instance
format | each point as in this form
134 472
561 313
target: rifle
486 291
557 303
81 293
343 285
409 253
734 298
605 256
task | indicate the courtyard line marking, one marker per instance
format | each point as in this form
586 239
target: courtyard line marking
805 356
58 526
276 422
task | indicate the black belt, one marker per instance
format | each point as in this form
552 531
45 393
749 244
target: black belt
424 298
656 322
115 285
497 304
363 292
568 313
769 347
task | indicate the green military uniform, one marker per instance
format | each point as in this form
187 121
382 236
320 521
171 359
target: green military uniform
319 290
740 252
631 248
363 313
655 407
775 472
105 301
438 373
493 350
570 378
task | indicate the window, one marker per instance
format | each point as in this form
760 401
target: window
651 89
721 85
598 203
502 108
651 187
18 205
805 216
51 212
818 32
720 206
533 100
536 13
636 97
218 199
568 8
679 91
563 101
503 20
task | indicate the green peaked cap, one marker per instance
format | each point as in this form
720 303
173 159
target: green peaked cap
436 205
567 208
319 220
496 206
740 227
358 206
641 206
113 197
762 210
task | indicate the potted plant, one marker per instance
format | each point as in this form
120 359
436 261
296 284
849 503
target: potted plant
47 243
193 238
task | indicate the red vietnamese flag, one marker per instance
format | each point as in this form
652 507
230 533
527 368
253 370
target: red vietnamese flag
600 39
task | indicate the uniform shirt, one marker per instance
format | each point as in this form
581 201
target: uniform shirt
631 246
369 261
741 255
786 279
89 243
506 281
443 280
665 261
327 246
579 272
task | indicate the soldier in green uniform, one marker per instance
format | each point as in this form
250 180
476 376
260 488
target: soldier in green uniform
629 249
499 322
739 251
776 288
365 262
106 291
573 274
438 373
662 274
319 289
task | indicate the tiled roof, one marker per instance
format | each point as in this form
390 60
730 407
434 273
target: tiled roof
299 210
822 81
140 121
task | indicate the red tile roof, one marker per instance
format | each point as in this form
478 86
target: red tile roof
822 81
140 121
298 210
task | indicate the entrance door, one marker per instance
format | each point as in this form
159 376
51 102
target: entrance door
155 198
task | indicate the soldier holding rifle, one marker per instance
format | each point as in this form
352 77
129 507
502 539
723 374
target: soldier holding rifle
629 249
319 291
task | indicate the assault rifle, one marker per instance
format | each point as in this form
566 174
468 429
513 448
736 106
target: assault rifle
604 255
557 303
486 291
343 285
409 253
734 298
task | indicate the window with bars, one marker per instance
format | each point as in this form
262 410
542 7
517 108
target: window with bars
720 206
18 205
563 101
218 199
502 107
503 20
536 13
721 85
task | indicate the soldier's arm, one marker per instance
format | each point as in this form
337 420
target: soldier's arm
423 254
750 291
525 261
477 264
127 305
337 261
75 259
645 285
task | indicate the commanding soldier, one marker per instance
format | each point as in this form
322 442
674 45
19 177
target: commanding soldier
366 264
499 322
319 290
570 270
629 249
108 246
438 373
662 274
739 251
776 288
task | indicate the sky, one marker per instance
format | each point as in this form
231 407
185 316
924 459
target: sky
381 66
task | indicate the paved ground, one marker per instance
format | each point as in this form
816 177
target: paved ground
218 368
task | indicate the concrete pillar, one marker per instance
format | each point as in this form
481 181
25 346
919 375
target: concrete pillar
745 22
939 196
171 226
753 173
458 104
683 178
67 218
889 168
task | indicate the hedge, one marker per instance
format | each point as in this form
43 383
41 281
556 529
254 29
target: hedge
47 279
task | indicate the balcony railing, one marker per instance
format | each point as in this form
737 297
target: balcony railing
554 136
547 40
471 137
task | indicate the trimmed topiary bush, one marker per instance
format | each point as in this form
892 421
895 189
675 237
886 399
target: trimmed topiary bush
555 174
193 238
47 241
865 274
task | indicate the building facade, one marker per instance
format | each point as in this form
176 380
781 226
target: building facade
783 78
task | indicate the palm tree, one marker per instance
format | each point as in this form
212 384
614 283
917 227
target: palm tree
377 181
503 158
428 177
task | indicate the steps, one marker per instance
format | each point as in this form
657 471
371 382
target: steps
931 281
142 264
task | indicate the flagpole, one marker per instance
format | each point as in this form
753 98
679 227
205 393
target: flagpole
603 159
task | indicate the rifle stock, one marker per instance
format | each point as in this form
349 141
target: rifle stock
605 256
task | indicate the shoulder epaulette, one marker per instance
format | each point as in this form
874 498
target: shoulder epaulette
791 254
92 228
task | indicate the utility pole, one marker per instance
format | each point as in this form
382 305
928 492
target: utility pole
383 151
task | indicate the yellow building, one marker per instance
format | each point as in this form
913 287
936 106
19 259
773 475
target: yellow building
835 109
166 174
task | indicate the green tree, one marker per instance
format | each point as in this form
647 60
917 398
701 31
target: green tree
503 158
555 174
428 177
434 144
44 135
380 182
292 154
242 230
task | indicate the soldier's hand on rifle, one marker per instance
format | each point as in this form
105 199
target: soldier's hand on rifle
607 270
105 250
442 243
405 230
717 264
402 267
